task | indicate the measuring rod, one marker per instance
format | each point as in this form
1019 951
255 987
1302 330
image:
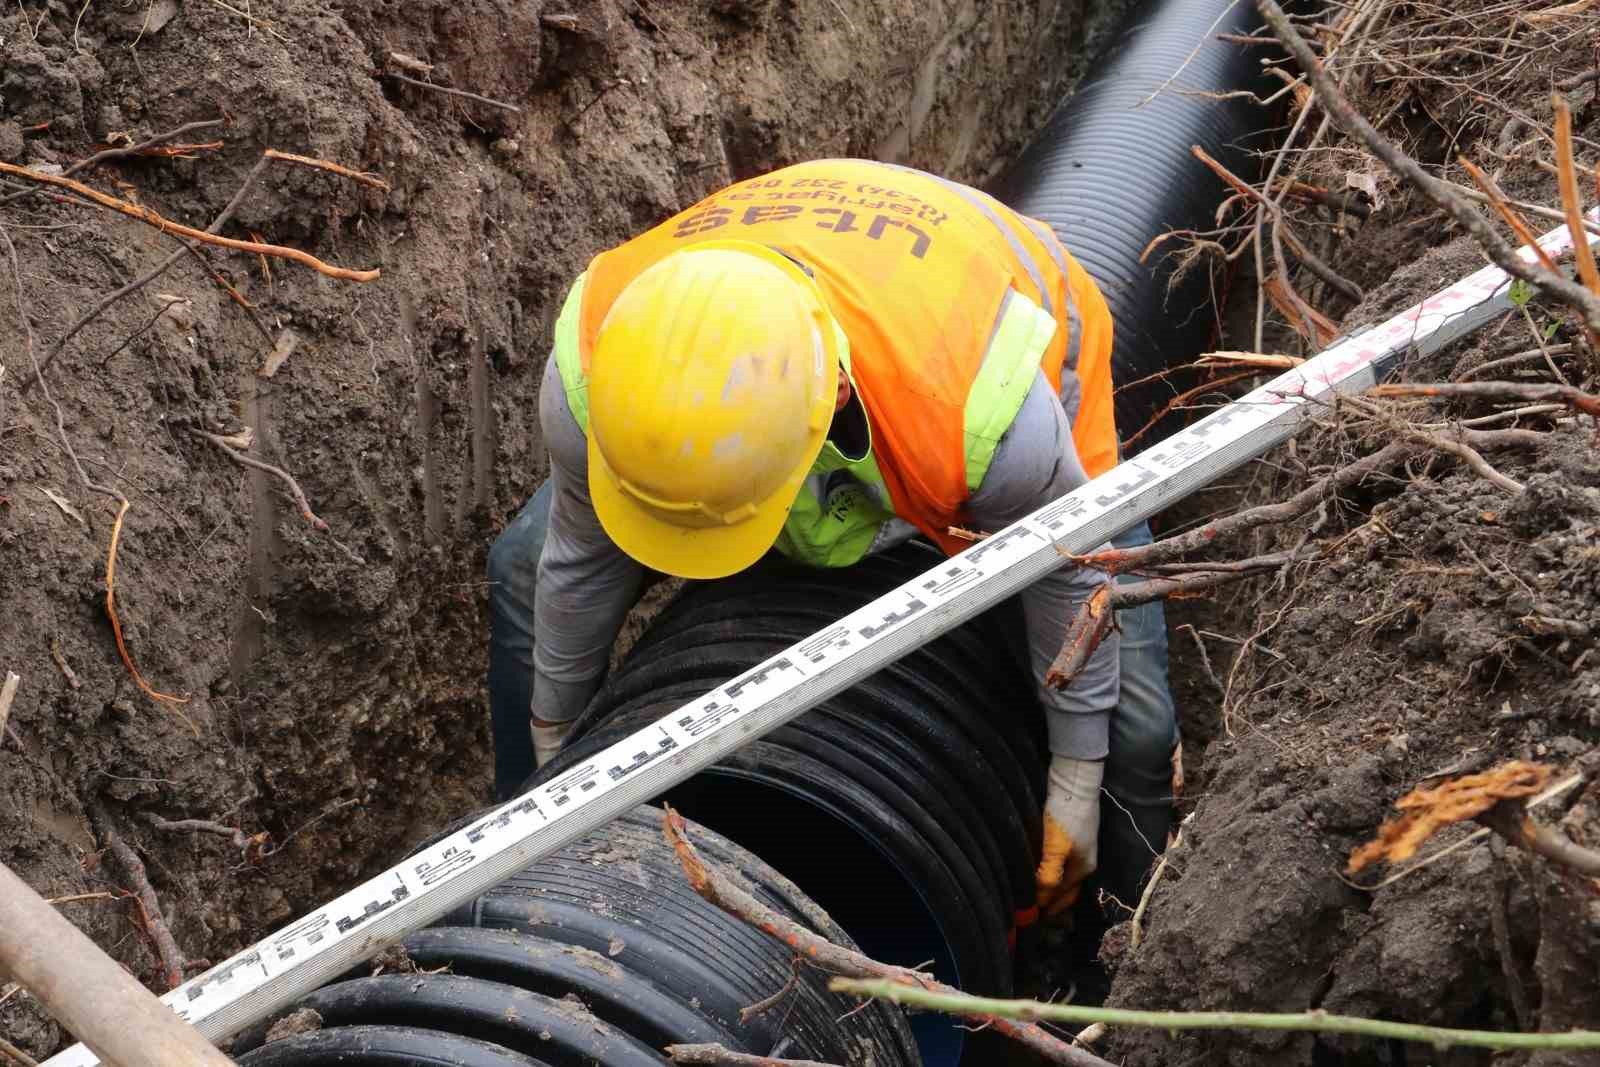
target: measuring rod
309 952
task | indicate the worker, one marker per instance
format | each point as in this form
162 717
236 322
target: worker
824 361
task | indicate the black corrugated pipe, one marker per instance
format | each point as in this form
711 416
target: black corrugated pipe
602 955
908 806
1112 170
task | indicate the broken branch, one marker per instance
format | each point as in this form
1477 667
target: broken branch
454 92
719 890
150 217
1509 818
1088 628
166 947
332 168
717 1056
957 1003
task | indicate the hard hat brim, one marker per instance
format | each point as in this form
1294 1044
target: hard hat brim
698 553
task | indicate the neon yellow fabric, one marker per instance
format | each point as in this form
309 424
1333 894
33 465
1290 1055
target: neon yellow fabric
1022 334
569 360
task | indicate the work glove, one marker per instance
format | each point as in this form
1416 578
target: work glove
547 739
1071 831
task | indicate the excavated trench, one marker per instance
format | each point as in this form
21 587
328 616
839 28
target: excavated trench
906 809
337 707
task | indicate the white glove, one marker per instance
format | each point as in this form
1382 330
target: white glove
1071 831
547 739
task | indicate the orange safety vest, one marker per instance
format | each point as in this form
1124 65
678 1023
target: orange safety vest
949 300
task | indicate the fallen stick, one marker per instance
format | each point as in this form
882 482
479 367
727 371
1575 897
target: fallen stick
16 1055
166 945
332 168
1088 628
146 215
87 991
823 953
1316 1022
455 92
717 1056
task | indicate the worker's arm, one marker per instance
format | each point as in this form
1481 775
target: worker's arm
1035 463
586 583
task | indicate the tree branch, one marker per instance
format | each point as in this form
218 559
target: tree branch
1320 1022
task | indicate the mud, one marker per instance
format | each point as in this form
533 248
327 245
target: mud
1452 626
338 705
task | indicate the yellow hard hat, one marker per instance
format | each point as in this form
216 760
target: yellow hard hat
712 385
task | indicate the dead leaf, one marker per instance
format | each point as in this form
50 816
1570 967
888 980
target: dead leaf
1427 811
67 509
1362 181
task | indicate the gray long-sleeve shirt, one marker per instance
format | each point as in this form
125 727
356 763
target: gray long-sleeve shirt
587 585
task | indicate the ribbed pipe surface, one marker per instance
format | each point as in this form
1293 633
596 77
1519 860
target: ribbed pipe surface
1112 170
598 956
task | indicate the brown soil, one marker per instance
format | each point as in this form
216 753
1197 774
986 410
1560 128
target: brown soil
1417 650
338 705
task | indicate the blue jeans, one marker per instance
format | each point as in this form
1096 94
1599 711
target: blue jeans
513 575
1144 730
1136 813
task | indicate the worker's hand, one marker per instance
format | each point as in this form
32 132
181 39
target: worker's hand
547 739
1071 831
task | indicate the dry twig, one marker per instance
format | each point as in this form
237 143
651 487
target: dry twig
333 168
717 1056
146 215
455 92
820 952
166 947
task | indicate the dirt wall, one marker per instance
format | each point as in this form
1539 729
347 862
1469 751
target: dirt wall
331 682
